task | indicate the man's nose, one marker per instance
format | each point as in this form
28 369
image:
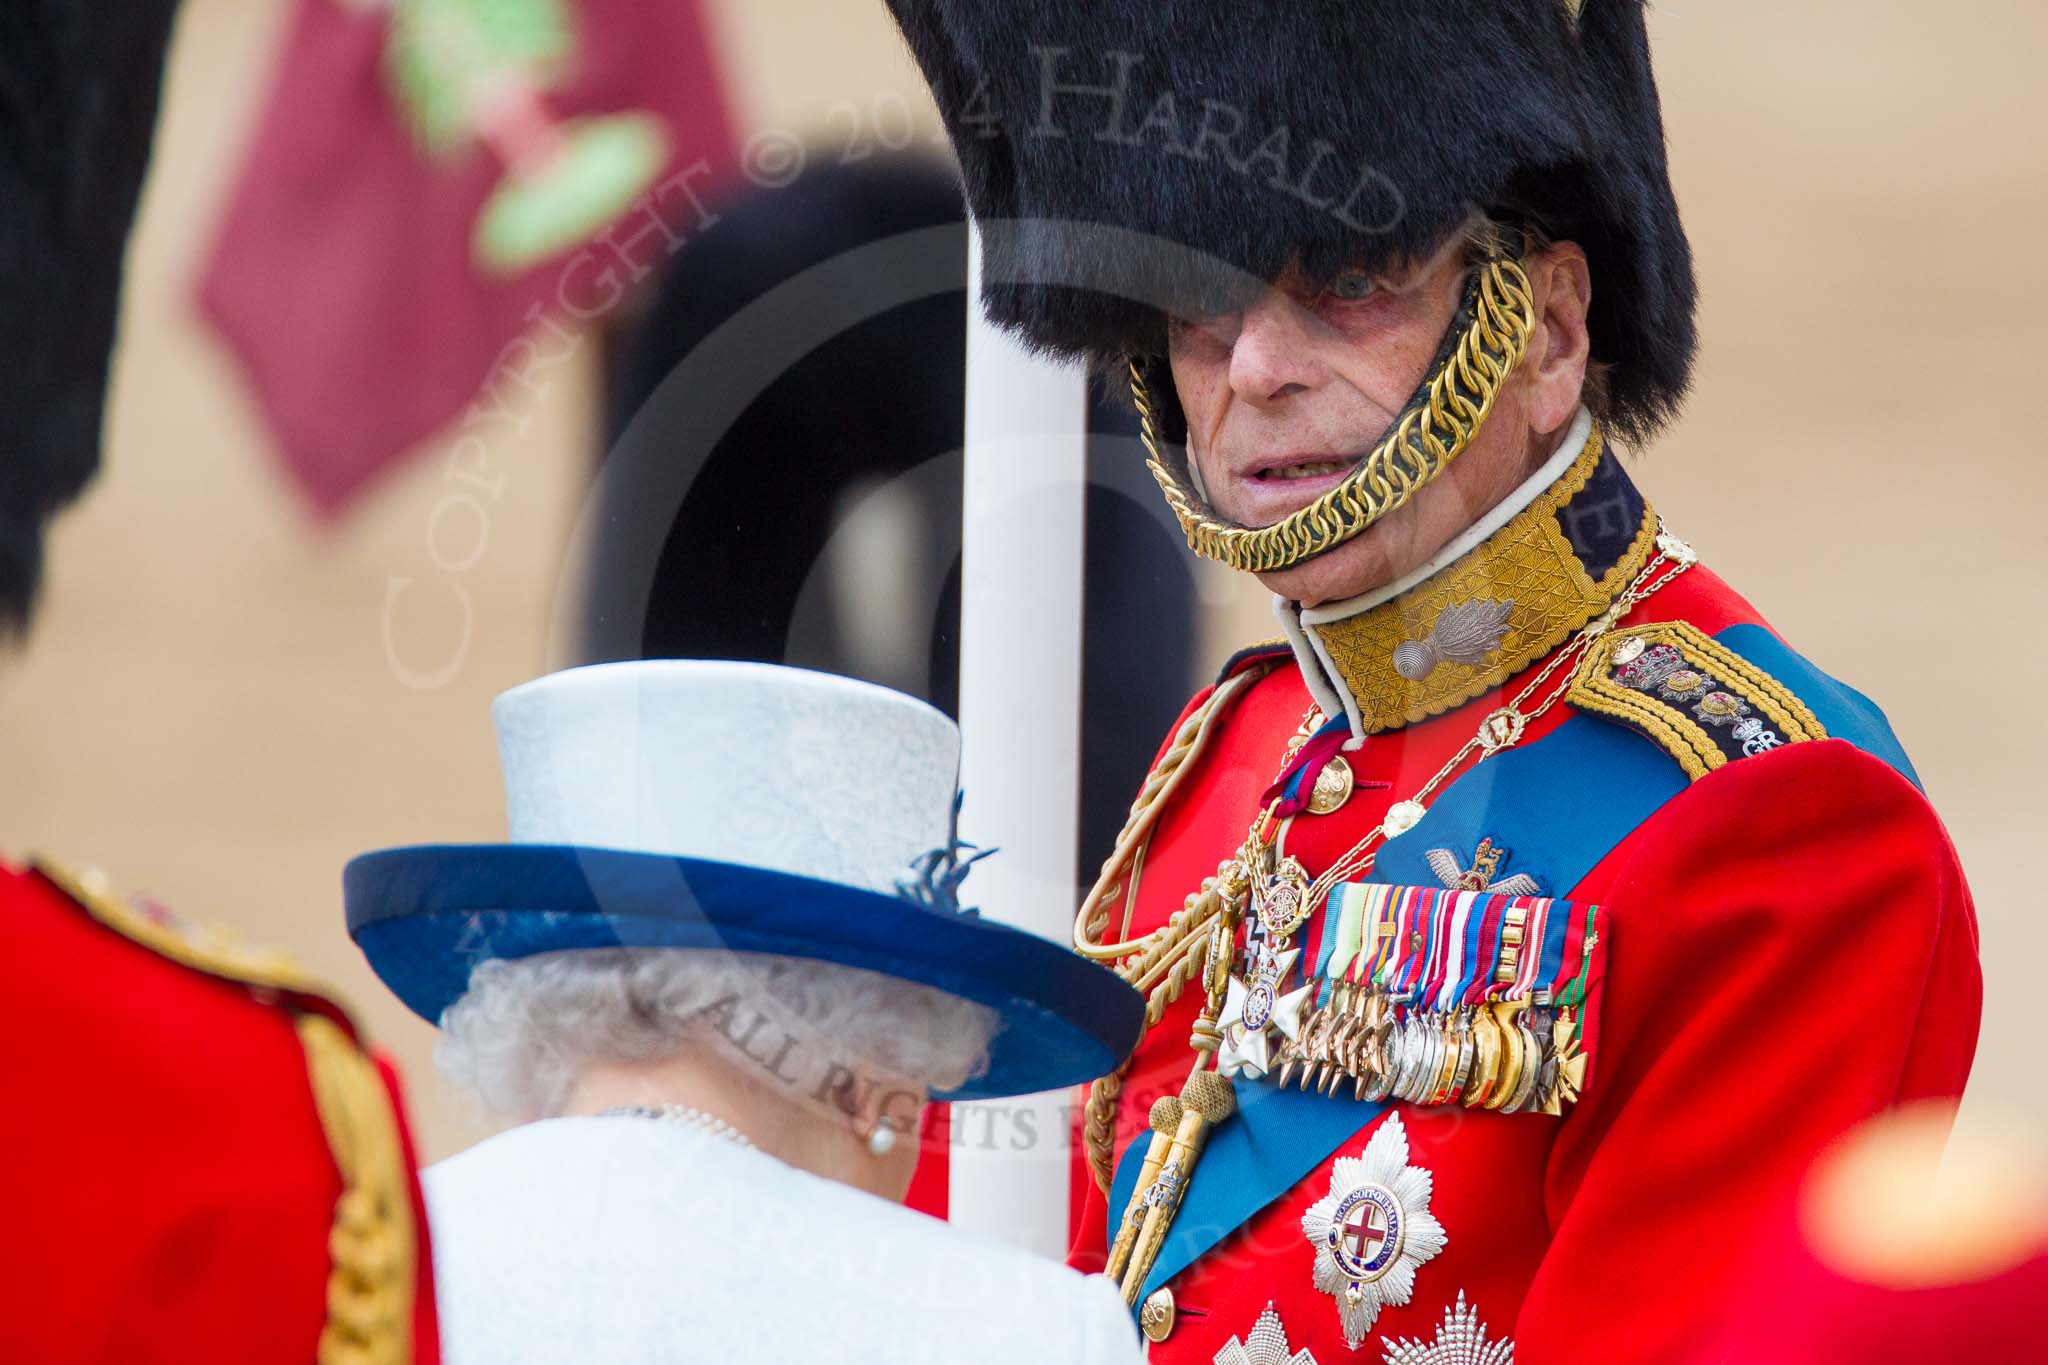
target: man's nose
1273 354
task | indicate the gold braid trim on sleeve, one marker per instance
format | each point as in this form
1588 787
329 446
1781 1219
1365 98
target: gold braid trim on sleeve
373 1249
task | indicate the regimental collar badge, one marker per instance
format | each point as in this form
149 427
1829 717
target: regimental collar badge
1373 1230
1460 1341
1267 1345
1464 633
1557 562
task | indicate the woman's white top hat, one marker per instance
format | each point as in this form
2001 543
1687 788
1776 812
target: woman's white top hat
778 768
744 806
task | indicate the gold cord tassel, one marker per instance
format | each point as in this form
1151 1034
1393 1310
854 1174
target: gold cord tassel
1166 1116
1206 1100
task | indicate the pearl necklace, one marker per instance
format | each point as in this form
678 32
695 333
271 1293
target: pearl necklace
683 1116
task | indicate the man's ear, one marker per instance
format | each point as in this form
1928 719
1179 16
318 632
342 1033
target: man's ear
1555 370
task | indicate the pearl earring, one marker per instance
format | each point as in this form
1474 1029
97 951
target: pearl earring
882 1138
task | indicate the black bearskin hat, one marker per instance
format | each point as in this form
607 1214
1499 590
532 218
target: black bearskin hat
1230 136
78 99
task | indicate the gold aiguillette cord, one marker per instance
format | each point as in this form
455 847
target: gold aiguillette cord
1166 1116
1205 1101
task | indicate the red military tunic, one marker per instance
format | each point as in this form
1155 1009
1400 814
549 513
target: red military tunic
1790 949
202 1162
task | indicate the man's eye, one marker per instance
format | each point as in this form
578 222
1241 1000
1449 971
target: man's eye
1352 285
1208 324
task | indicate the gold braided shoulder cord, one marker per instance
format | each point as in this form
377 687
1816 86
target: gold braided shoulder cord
373 1250
1428 437
1159 787
1162 962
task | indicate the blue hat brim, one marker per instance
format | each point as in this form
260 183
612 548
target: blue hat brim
424 916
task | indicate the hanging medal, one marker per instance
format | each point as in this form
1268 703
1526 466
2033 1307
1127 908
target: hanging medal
1260 1014
1256 1008
1280 900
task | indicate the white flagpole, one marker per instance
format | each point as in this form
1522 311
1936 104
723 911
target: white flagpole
1020 715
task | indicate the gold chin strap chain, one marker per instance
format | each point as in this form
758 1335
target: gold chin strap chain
1427 437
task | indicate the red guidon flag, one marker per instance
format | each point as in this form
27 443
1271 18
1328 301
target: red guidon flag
430 180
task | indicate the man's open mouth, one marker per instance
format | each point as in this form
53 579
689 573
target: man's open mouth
1305 469
1283 484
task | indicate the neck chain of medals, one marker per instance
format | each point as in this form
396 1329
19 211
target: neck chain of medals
1269 892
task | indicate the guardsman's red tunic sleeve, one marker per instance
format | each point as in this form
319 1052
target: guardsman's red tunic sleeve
204 1164
1793 950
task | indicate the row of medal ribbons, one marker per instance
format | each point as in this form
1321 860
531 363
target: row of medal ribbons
1451 997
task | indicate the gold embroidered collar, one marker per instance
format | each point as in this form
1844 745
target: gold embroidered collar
1462 631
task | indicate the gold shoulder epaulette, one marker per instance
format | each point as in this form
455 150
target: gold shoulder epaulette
209 948
1700 701
373 1247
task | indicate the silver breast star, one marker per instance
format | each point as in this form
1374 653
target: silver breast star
1373 1230
1460 1341
1266 1345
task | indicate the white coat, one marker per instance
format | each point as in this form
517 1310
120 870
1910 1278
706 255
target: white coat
632 1240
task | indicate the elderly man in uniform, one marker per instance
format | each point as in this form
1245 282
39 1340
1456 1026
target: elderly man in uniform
1520 924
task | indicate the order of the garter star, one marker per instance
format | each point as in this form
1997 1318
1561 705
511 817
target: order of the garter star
1373 1230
